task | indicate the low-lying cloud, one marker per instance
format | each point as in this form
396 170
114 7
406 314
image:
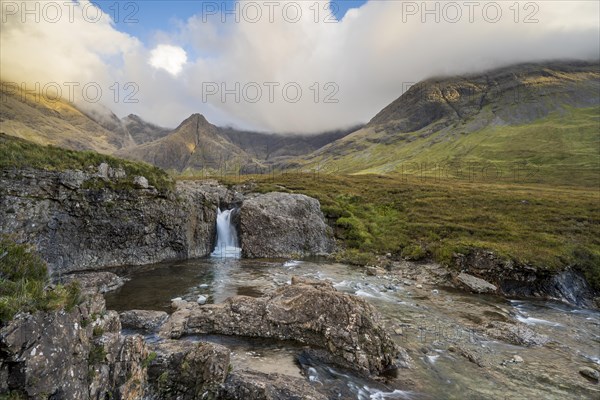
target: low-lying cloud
285 71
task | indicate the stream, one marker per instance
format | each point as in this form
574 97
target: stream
443 329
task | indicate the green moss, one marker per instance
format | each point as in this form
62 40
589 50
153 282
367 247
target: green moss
18 153
148 360
24 283
97 331
97 354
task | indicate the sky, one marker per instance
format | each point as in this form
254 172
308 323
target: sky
276 66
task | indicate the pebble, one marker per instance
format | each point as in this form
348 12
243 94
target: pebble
590 373
203 286
419 286
201 299
435 291
517 359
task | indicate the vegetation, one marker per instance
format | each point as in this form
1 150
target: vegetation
418 218
19 153
561 148
24 284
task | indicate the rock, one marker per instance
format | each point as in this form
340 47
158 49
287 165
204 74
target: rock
95 282
419 286
518 334
283 225
145 320
103 170
186 370
374 271
74 227
141 182
522 280
475 284
314 314
590 373
253 385
201 299
78 354
72 179
517 359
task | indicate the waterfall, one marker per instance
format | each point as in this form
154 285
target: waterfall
227 239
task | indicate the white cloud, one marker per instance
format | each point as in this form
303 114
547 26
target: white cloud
370 57
167 57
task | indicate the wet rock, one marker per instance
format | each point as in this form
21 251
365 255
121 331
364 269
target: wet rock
475 284
201 299
95 282
186 370
590 373
252 385
522 280
347 326
145 320
78 354
283 225
518 334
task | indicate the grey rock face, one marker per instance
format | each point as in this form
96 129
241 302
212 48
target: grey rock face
515 279
475 284
186 370
314 314
283 225
71 355
76 224
252 385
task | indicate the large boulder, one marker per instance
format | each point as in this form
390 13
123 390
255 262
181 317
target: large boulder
253 385
77 354
142 320
310 313
283 225
186 370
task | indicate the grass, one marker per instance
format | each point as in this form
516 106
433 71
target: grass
24 284
538 225
18 154
562 148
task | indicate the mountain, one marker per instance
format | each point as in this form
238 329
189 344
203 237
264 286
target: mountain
60 123
197 144
546 115
194 144
142 131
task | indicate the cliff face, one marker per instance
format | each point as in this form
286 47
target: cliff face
85 220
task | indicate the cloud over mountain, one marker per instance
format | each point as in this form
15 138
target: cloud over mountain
275 68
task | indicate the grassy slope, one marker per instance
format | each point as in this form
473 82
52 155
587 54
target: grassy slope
19 153
560 149
535 224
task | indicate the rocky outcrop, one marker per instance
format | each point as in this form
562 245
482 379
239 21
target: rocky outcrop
514 279
253 385
79 354
143 320
186 370
80 220
283 225
312 313
95 282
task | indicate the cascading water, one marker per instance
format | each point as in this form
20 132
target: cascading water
227 239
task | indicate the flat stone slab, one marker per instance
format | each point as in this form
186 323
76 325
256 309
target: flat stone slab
476 284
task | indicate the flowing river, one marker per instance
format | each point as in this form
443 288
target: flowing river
444 331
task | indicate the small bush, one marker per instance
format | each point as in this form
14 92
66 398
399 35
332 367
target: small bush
24 284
